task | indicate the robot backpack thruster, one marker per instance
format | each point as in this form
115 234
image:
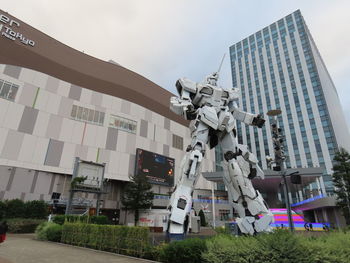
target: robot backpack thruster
213 112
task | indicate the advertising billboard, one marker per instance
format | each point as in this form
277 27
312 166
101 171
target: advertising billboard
93 173
159 169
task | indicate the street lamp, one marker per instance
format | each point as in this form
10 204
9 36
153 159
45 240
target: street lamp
278 140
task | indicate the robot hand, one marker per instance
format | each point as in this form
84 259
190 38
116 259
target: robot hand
258 121
182 107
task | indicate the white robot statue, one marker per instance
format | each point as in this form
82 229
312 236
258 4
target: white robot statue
213 112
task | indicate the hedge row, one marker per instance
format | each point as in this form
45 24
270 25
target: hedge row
98 220
279 247
49 231
16 208
133 241
23 225
189 250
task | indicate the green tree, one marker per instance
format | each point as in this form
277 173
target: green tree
137 195
15 208
36 209
341 181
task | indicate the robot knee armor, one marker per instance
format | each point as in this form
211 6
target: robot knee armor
229 155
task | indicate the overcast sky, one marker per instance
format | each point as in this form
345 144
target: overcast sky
167 39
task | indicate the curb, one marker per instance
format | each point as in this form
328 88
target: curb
99 251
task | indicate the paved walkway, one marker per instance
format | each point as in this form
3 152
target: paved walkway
24 249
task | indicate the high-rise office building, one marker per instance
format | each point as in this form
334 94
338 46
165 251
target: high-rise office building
280 67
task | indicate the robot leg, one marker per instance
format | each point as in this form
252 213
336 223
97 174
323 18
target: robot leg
248 202
257 207
181 199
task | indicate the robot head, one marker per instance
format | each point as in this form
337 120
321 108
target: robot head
212 78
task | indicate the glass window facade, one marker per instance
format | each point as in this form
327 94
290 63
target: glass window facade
87 115
8 90
275 69
123 124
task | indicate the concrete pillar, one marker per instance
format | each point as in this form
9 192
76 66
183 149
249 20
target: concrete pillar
301 196
290 197
316 216
318 186
311 193
325 215
322 185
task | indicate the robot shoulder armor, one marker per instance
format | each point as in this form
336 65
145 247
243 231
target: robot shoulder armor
233 94
186 84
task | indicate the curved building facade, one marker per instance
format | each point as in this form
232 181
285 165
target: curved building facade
57 103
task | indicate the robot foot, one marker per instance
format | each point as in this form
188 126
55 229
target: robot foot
263 223
250 225
175 231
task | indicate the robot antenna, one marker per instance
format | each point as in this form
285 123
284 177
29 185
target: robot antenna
222 61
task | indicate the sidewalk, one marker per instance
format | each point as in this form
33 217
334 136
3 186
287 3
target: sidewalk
22 248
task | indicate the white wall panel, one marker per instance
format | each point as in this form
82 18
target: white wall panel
27 150
85 96
53 103
107 101
91 154
67 158
67 130
26 75
40 150
13 116
63 88
101 136
161 135
4 104
122 141
78 130
123 164
41 124
90 135
40 79
3 136
42 99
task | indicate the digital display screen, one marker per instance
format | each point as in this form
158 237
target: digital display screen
159 169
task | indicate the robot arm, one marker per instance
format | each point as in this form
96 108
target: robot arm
247 118
183 105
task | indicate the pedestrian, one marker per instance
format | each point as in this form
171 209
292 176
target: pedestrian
311 227
3 231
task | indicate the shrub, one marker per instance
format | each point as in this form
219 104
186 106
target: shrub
15 208
49 231
40 231
227 248
277 247
121 239
54 232
188 250
2 210
98 220
23 225
59 219
282 246
222 230
333 247
153 252
36 209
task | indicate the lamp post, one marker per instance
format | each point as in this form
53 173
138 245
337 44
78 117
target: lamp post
277 139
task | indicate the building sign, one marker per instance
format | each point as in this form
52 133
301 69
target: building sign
8 29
